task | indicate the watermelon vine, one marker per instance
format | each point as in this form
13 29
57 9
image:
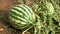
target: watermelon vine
43 17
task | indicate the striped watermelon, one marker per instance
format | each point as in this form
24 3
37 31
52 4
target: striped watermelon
21 16
49 7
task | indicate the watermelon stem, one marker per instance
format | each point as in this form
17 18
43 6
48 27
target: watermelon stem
27 29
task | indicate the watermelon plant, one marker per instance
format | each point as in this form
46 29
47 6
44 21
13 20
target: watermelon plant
44 17
45 24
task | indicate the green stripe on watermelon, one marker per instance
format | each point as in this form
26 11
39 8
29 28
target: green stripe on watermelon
20 26
31 11
17 15
20 11
25 9
12 16
24 17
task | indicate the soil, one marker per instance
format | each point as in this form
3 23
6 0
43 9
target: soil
5 5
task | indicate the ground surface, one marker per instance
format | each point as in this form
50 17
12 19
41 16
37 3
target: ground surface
5 5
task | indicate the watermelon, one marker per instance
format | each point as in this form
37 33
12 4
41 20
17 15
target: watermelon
21 16
49 7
